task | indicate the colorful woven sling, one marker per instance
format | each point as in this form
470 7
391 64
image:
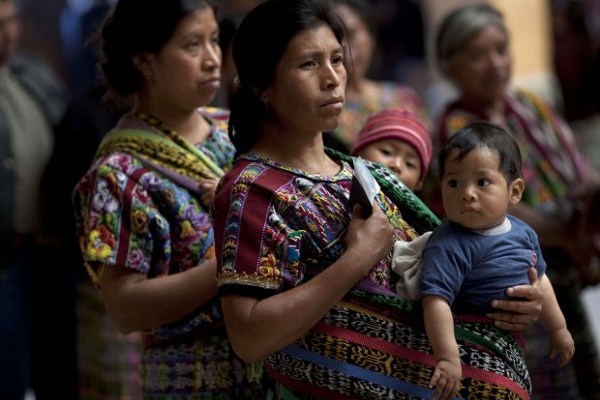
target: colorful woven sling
164 150
374 346
413 210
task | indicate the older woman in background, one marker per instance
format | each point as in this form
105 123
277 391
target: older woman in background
473 51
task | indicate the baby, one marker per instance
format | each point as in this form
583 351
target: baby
399 140
480 250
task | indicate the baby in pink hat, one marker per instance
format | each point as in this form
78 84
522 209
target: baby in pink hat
398 139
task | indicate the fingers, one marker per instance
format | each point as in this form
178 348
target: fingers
434 378
566 355
563 360
446 389
440 384
532 291
561 345
445 381
533 276
449 391
519 314
510 326
510 312
511 321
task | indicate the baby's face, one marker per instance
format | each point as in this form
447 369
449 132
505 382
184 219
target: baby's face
474 190
400 157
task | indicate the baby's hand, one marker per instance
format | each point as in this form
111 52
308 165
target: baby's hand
446 378
561 343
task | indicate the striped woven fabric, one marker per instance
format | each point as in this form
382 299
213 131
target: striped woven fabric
374 346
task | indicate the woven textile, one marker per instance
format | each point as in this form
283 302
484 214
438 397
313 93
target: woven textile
374 346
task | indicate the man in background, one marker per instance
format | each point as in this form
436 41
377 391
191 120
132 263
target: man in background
32 101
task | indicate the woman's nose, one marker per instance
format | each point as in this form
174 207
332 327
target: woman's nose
332 77
212 60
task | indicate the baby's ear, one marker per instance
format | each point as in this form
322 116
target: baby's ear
516 189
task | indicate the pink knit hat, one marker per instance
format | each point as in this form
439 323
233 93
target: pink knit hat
396 123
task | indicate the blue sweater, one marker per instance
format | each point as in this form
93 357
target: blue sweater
469 269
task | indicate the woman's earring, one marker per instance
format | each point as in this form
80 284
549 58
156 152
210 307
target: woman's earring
264 97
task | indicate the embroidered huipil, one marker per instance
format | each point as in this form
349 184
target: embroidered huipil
139 210
277 227
302 220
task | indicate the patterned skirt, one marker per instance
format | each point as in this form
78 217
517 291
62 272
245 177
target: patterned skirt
108 361
200 368
375 346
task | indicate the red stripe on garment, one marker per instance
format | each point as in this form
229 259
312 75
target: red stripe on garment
413 355
256 209
127 197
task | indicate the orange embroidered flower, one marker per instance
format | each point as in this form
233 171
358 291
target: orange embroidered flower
267 267
100 246
139 221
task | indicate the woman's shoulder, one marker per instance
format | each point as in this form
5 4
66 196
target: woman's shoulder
243 175
534 102
396 94
219 116
120 163
114 172
396 87
453 119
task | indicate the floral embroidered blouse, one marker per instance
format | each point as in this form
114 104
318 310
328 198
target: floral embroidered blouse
131 215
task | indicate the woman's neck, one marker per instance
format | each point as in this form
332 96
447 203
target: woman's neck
189 124
299 151
494 110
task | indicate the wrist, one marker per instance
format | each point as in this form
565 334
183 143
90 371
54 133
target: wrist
557 329
450 355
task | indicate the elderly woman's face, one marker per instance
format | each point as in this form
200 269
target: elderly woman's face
482 68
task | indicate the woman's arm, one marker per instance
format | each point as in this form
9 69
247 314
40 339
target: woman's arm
277 321
134 302
519 314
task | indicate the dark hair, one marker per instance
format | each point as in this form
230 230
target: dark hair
364 10
258 45
485 135
136 26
